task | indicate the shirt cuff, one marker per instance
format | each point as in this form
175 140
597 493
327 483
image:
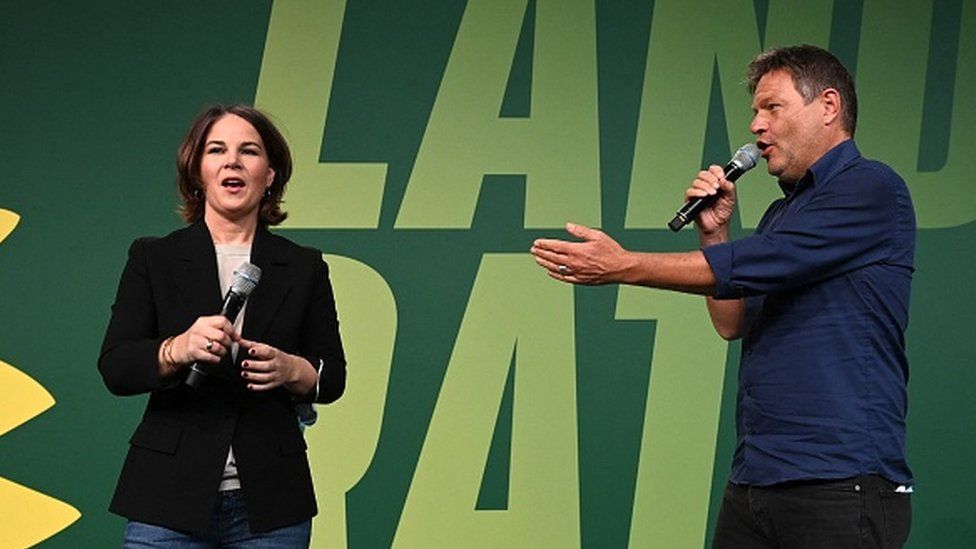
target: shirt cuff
719 258
318 378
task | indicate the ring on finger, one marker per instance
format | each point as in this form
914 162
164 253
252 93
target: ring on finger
563 270
209 345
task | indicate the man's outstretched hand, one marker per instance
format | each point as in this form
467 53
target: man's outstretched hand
598 259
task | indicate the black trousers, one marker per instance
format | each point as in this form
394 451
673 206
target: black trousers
860 512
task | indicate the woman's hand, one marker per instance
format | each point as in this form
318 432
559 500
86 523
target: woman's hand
207 340
267 367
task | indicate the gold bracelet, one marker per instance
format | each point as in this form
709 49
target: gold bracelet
168 352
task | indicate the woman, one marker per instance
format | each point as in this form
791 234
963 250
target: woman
222 461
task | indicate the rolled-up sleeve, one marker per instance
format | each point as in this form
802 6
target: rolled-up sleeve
836 228
719 258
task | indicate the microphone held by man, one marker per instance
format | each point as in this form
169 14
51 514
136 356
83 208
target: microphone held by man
828 268
744 160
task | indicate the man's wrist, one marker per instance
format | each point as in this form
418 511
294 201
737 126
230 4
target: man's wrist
718 236
627 273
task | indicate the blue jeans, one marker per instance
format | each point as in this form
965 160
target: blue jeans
229 528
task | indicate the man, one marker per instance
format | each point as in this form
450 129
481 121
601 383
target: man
819 295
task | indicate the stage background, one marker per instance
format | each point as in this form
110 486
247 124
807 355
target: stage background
434 140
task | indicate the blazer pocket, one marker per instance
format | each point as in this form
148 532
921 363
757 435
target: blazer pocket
291 443
159 437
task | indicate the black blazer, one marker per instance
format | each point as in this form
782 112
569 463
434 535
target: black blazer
177 453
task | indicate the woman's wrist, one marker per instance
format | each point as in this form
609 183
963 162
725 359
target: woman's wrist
304 376
168 366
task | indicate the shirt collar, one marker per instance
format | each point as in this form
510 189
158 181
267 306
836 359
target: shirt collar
825 168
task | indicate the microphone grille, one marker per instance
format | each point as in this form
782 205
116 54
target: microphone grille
245 279
747 156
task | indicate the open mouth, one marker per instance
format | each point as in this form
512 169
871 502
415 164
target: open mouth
232 183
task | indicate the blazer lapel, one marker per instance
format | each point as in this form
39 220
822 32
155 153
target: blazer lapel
196 272
266 253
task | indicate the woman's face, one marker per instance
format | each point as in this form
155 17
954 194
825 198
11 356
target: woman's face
234 169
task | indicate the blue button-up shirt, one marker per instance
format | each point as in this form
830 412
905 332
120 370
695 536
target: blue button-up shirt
826 280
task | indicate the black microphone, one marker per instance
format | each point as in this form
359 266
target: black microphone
744 160
245 279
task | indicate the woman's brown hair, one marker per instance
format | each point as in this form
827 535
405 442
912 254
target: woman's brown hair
191 150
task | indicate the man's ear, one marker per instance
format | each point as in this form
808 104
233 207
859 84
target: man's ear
830 102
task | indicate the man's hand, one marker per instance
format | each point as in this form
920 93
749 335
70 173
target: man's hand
598 259
713 221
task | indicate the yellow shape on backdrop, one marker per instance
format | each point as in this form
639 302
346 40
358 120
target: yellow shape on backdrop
27 517
8 220
22 397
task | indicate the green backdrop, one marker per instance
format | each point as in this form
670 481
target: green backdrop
434 140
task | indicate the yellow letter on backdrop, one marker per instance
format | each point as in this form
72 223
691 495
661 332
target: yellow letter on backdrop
512 306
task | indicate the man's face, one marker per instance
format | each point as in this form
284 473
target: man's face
789 131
